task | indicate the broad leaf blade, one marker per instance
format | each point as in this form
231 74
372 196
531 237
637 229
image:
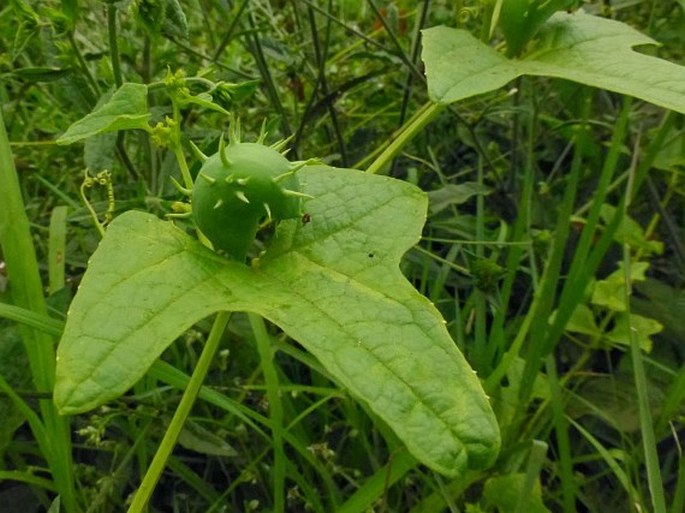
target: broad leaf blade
459 66
333 284
125 110
578 47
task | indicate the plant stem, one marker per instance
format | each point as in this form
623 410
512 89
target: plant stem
176 145
557 403
156 468
113 45
270 373
321 56
262 65
94 88
479 354
546 290
230 31
425 115
414 57
654 479
588 250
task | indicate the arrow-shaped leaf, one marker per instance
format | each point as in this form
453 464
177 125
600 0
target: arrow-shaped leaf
332 284
578 47
125 110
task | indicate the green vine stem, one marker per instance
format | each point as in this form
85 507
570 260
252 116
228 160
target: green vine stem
94 91
176 145
266 355
113 45
166 447
649 442
411 129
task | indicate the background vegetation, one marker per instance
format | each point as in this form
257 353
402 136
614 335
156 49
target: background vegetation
341 78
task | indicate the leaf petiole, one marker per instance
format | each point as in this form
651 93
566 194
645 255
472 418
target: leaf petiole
156 468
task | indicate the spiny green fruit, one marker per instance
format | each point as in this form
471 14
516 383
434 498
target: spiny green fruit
240 186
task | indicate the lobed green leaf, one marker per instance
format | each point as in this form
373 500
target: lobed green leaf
333 284
578 47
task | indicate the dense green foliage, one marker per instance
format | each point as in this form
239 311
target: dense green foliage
529 228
